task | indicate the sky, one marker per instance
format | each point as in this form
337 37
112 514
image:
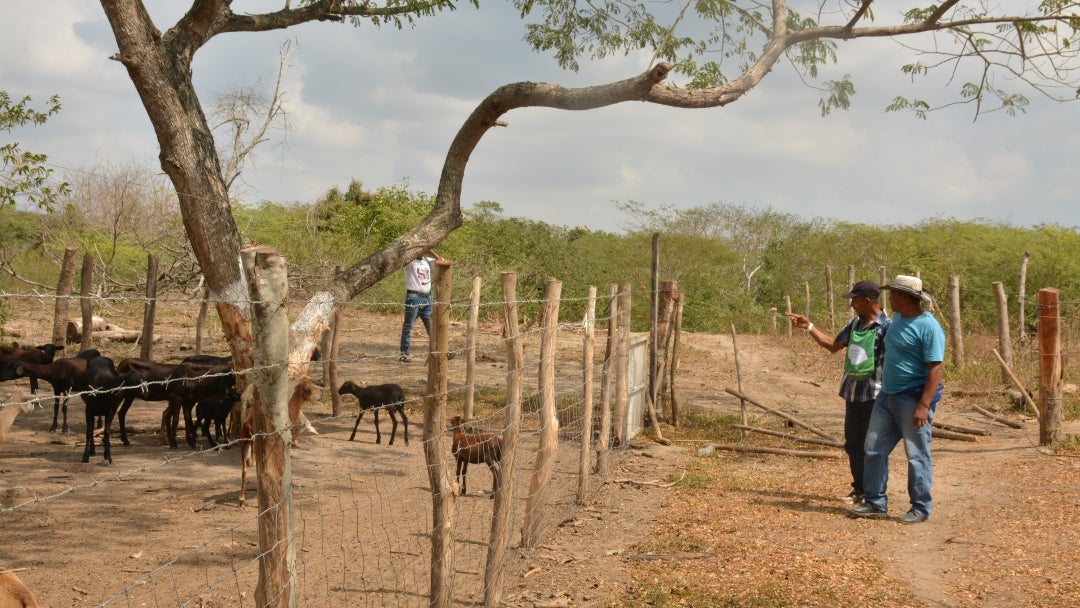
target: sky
382 105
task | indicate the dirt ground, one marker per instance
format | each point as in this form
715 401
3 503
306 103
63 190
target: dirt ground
162 527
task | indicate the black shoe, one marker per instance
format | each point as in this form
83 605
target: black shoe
867 511
913 517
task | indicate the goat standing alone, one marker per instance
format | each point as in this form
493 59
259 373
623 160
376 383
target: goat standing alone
476 448
388 396
304 391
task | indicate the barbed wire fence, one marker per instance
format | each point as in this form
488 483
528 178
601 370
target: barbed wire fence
162 529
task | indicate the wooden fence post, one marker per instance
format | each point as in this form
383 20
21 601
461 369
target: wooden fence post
1020 297
1004 340
787 303
587 355
146 340
200 324
654 315
883 299
674 369
536 501
603 442
63 290
470 350
806 294
504 495
851 285
87 285
1050 368
621 363
332 360
830 297
442 498
268 289
956 332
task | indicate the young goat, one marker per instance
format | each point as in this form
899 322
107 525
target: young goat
14 593
476 448
16 404
37 354
217 411
388 396
304 391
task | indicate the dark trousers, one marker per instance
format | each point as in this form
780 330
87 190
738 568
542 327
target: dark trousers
856 422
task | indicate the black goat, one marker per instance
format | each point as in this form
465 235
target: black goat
63 374
388 396
476 448
106 390
181 385
216 410
37 354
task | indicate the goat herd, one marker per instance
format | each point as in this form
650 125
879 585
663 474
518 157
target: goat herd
204 384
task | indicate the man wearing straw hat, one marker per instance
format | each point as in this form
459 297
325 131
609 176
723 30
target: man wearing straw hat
904 409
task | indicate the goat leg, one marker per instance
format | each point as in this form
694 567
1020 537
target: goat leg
357 425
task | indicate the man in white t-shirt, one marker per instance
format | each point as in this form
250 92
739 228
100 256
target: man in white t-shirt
417 298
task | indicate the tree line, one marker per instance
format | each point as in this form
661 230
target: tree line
733 263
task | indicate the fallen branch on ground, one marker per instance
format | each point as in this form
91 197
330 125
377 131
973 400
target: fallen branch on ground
743 427
961 429
943 434
781 451
995 417
785 416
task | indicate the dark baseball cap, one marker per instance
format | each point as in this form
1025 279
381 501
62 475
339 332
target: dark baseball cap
864 289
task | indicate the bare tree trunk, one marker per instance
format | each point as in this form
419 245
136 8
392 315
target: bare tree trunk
589 327
146 341
442 498
87 286
500 518
332 362
63 290
1004 340
536 502
265 269
1050 367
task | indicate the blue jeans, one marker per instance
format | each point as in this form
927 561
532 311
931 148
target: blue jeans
416 305
891 421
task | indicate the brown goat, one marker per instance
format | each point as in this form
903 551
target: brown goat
476 448
14 593
16 404
304 391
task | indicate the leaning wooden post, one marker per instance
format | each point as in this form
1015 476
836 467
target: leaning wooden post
504 495
470 349
621 364
830 297
1050 367
63 290
956 333
87 285
603 441
1020 297
1004 340
146 340
265 269
442 498
536 501
738 375
587 355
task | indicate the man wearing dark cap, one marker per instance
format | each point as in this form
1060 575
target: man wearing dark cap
863 338
905 406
